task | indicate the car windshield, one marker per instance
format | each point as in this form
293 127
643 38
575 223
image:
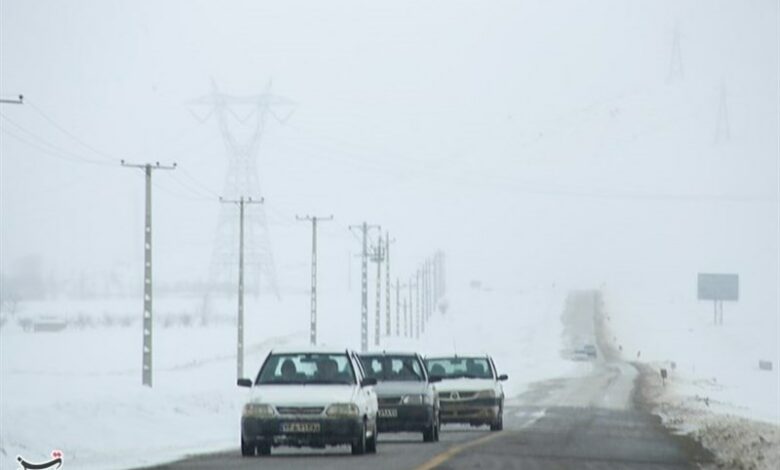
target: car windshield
306 368
393 368
459 367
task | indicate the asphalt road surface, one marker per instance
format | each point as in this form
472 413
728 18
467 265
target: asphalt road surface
588 422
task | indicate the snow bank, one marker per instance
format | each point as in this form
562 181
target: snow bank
715 390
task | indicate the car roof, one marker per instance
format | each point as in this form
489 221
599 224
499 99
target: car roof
390 353
459 356
310 349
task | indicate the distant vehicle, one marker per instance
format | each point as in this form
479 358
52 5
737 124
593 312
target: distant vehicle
407 395
43 324
470 391
309 398
590 350
585 353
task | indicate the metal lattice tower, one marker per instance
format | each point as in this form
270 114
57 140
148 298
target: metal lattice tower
242 121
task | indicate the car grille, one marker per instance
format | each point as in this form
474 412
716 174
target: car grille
457 396
389 401
299 410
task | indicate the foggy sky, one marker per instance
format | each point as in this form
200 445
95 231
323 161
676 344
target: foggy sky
533 141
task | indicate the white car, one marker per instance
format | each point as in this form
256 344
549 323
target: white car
470 390
309 398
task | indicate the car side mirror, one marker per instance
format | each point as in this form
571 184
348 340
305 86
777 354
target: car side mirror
503 377
368 381
434 379
244 383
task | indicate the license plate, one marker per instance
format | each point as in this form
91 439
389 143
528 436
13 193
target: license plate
387 413
300 427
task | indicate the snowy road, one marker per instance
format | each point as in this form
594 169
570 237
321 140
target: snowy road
587 422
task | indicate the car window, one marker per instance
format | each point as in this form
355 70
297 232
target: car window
459 367
306 368
393 368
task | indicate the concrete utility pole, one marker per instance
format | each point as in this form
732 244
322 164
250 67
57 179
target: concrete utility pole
19 100
410 322
406 320
364 227
146 352
420 323
397 307
388 312
313 324
378 257
242 201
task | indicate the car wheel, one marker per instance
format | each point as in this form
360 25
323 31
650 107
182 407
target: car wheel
371 443
359 446
498 425
438 429
264 449
429 434
247 450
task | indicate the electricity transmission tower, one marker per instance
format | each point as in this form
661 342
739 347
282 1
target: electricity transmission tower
242 121
146 351
241 202
313 323
364 228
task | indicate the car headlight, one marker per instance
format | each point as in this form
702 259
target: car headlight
258 410
415 400
342 409
486 394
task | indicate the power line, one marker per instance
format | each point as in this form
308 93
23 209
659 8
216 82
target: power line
70 134
47 148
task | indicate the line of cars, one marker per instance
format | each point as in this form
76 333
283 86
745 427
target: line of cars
316 397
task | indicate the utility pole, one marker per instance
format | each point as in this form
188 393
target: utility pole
313 324
364 227
420 323
406 320
410 322
146 352
242 201
388 312
426 290
19 100
378 257
397 307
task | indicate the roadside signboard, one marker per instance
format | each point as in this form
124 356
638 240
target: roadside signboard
718 286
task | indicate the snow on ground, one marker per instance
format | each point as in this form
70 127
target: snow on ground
715 390
79 390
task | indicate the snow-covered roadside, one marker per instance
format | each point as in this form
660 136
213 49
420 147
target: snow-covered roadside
79 391
733 413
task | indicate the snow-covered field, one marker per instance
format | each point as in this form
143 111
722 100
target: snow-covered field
79 390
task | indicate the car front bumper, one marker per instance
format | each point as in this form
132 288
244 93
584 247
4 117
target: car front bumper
407 418
475 412
270 431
